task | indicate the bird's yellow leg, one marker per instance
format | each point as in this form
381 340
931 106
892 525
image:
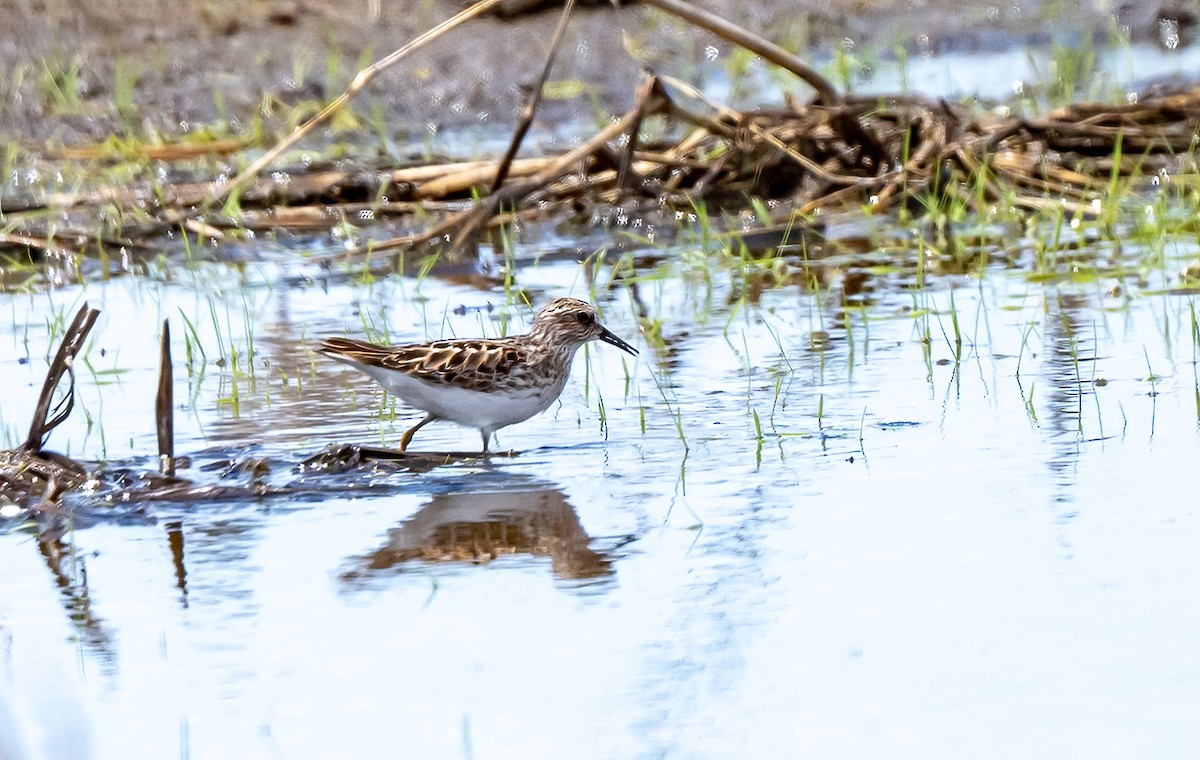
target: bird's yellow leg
408 434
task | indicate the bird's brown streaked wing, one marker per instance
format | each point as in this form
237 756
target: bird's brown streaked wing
456 362
459 362
357 350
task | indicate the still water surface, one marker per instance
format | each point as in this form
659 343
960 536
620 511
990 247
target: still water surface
993 557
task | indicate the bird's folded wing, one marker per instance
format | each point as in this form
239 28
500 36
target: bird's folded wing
450 361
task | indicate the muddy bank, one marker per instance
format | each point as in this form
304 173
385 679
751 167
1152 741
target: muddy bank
81 72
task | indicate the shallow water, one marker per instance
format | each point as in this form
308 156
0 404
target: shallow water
918 557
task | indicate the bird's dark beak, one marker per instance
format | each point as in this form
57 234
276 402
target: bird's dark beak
608 337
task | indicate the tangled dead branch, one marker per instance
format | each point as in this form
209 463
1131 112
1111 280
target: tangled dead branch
830 153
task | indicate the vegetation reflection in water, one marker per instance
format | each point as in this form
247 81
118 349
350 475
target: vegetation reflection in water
803 421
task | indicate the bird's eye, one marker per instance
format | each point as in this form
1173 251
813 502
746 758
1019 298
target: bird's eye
585 317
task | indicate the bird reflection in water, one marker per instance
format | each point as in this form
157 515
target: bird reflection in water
482 526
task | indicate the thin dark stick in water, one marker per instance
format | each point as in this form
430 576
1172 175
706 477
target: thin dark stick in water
164 405
649 89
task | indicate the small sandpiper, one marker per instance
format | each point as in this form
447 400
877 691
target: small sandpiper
481 383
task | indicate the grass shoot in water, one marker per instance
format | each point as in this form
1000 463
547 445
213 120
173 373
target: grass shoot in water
758 439
1026 333
602 410
1030 409
848 327
248 320
958 338
1195 325
192 346
1150 376
673 410
749 376
790 373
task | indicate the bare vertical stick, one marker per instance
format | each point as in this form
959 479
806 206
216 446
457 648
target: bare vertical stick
535 98
649 88
164 404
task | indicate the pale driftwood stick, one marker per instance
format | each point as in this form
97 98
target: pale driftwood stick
184 195
71 344
1022 180
752 42
561 191
462 181
321 216
169 152
361 79
197 227
534 99
441 229
1043 204
434 172
35 242
180 195
1068 177
849 194
1086 128
21 204
164 405
665 160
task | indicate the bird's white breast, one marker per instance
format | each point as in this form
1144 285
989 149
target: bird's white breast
484 410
